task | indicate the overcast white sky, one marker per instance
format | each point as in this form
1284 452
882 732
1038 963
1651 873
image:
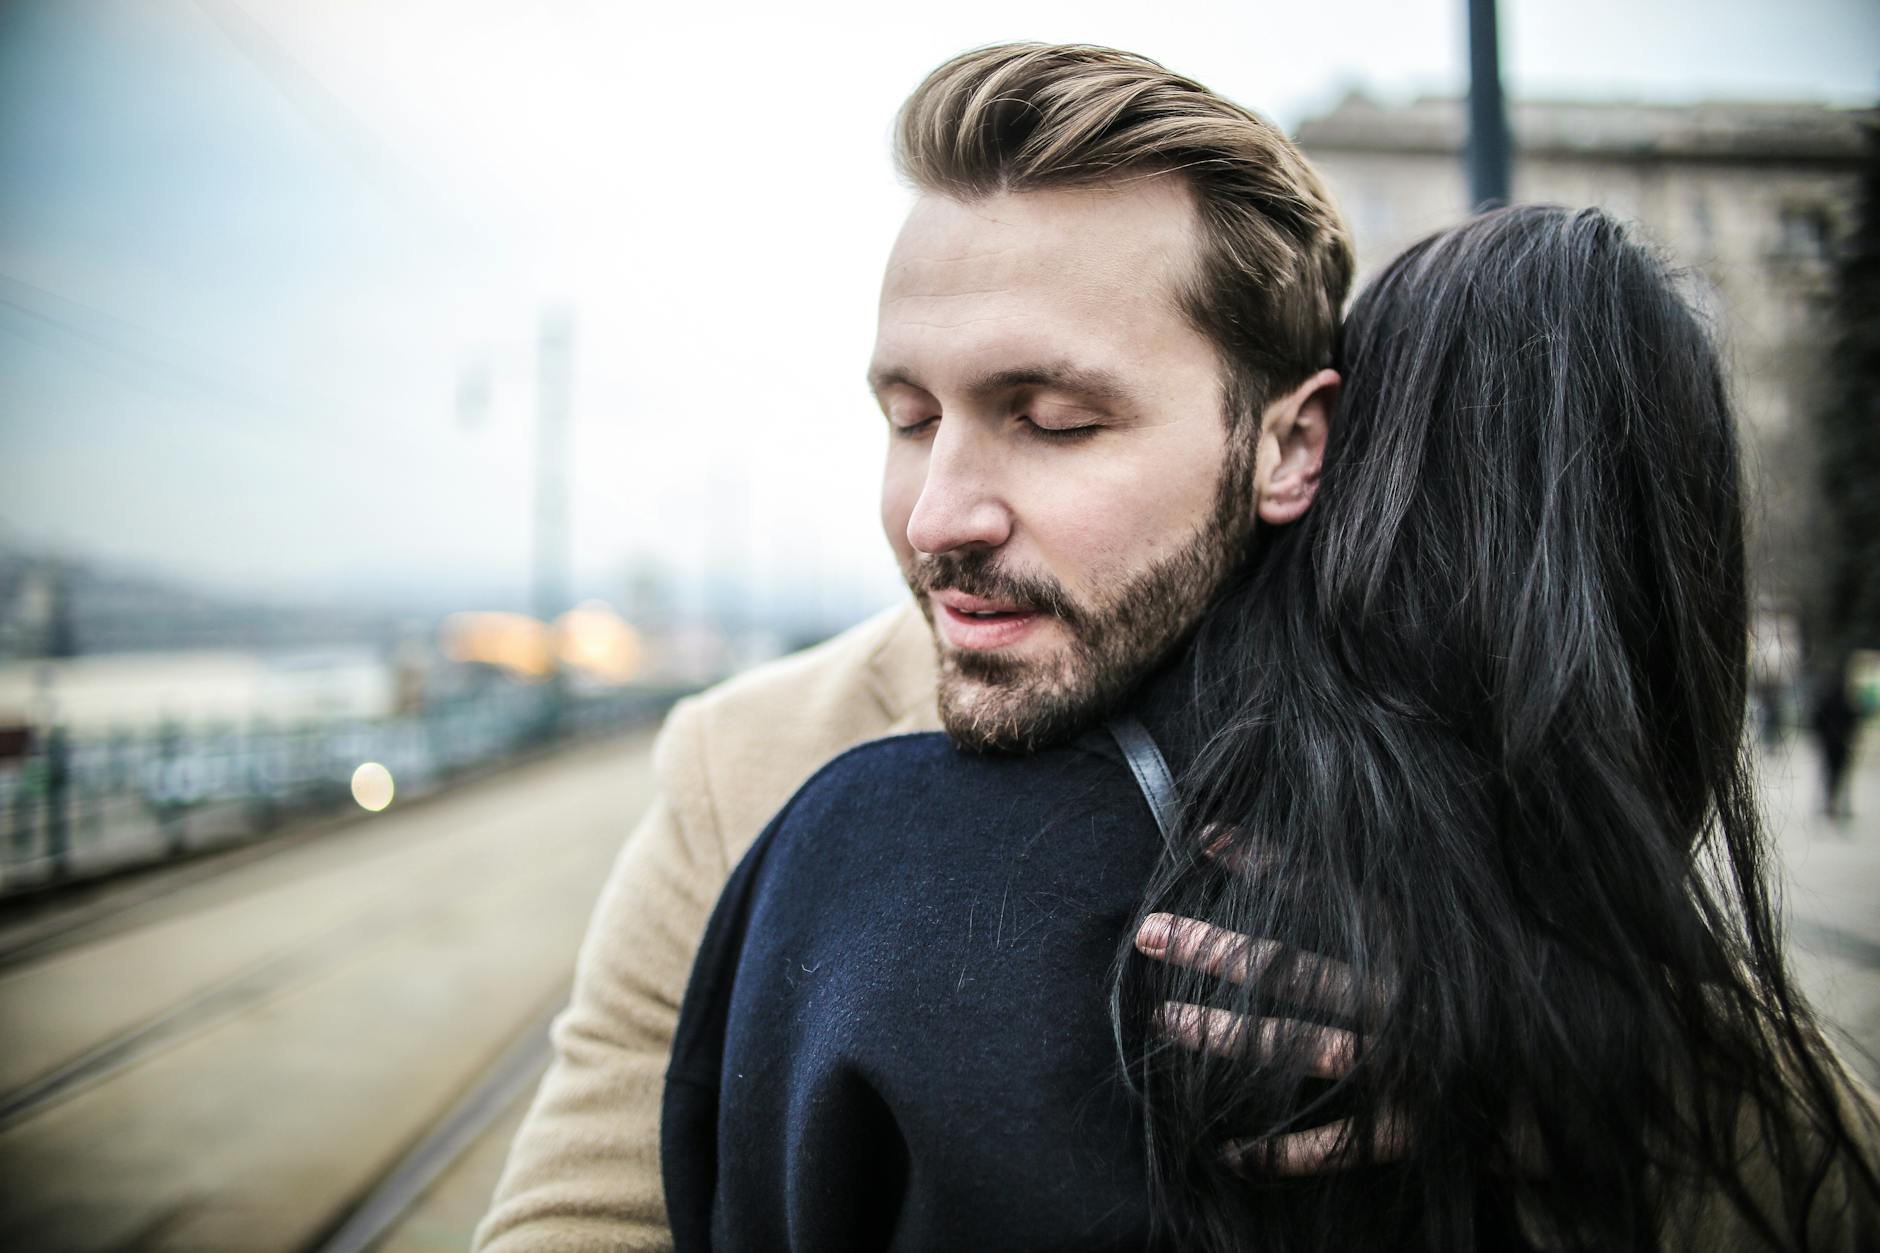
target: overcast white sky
249 248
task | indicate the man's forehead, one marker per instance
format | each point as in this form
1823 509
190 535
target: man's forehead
1074 283
1110 241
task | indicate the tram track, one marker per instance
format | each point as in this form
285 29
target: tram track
226 999
361 1226
289 1054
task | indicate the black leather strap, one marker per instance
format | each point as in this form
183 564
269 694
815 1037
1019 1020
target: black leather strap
1152 773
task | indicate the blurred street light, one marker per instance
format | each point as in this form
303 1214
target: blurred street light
372 786
591 638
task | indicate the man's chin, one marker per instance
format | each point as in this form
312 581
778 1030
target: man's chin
977 729
989 716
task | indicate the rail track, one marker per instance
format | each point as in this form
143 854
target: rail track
283 1051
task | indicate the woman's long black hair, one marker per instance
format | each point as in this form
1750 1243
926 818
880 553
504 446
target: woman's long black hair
1474 728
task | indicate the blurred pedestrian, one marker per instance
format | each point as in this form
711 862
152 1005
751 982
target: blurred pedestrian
1834 720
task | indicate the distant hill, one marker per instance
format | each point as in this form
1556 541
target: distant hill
62 607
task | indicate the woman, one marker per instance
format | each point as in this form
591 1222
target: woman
1463 799
1476 729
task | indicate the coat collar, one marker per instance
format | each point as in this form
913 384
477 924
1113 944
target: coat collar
901 673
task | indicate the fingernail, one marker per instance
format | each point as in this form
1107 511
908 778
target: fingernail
1153 936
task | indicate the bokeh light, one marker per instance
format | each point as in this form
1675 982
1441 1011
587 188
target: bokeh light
597 641
372 786
512 641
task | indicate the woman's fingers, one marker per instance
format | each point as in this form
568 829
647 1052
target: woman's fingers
1209 949
1304 978
1328 1052
1319 1150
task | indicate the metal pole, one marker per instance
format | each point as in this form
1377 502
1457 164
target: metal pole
1488 122
554 367
59 802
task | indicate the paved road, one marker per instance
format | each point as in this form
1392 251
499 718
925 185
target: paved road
226 1066
1832 893
231 1062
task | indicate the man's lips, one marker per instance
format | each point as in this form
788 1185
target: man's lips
978 624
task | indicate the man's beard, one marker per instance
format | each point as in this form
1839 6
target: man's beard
991 701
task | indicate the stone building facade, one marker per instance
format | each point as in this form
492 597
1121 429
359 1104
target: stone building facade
1753 199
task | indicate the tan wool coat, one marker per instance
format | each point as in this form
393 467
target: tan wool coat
583 1173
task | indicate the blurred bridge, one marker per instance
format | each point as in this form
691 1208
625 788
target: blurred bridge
326 1041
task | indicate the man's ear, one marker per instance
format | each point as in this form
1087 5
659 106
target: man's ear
1293 429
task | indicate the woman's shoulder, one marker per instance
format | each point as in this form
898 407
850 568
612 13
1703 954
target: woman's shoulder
918 773
916 750
927 754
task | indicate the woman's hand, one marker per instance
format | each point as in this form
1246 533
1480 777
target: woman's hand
1306 979
1314 981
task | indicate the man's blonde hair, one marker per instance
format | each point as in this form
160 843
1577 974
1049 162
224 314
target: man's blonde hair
1275 261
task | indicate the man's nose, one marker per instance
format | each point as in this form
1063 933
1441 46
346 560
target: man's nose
960 504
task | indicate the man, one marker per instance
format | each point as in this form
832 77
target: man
1101 355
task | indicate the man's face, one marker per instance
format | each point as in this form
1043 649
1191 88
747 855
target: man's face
1059 487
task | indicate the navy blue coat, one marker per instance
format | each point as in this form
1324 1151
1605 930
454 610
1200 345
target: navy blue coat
896 1035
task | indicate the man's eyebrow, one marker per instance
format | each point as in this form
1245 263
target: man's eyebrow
1090 382
882 377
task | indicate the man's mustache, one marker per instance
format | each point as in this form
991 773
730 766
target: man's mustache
977 573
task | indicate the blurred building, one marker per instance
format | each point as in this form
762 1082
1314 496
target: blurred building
1755 198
